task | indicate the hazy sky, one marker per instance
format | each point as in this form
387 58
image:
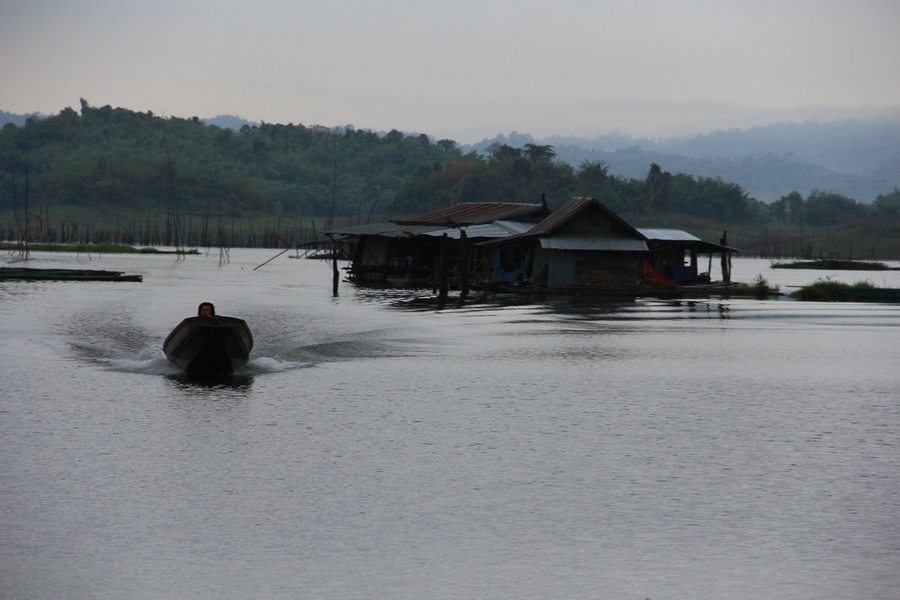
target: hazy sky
460 69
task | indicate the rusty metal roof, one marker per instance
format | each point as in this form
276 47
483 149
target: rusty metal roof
474 213
382 229
493 230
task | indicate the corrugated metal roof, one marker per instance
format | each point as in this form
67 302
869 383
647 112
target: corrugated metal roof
473 213
497 229
382 229
689 240
593 242
515 226
668 235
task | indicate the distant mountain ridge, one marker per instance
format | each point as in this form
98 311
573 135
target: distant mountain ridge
17 120
229 122
859 159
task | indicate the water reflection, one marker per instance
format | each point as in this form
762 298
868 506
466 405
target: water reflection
710 308
567 307
428 300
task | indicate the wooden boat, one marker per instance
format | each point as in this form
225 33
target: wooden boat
209 344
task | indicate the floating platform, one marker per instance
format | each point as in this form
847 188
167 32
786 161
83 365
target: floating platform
65 275
831 264
867 294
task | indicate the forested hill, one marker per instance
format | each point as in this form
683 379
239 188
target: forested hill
120 161
119 158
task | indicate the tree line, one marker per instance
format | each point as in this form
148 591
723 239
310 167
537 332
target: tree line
114 159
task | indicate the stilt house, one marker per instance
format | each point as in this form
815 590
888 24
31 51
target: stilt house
581 245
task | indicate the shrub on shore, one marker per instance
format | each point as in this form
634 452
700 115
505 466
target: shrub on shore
827 290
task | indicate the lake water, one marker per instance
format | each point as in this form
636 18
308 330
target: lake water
377 447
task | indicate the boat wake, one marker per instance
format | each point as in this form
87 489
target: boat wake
266 364
159 365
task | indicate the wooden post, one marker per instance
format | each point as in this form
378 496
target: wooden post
436 274
726 270
463 265
442 294
335 274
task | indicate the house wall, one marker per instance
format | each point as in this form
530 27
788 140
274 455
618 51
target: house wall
373 251
560 267
540 268
597 266
568 267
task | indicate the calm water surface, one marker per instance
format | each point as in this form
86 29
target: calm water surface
377 447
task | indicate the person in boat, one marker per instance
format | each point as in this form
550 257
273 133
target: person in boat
206 309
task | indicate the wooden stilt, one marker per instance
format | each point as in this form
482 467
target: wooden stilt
442 293
726 270
463 265
335 274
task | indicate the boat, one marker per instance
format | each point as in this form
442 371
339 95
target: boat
209 344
